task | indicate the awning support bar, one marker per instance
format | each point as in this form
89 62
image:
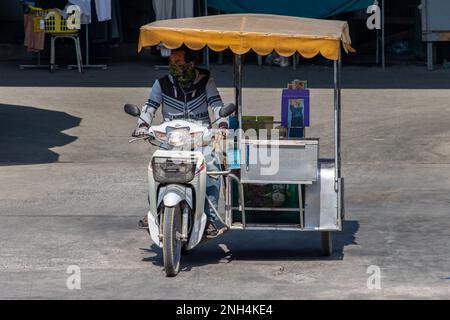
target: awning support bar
337 119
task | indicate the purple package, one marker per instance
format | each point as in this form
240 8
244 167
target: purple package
295 108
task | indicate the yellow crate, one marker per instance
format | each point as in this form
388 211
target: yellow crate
49 21
38 18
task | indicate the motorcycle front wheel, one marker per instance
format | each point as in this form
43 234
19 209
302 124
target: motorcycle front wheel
171 242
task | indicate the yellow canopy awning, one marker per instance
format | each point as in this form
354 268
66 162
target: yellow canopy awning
241 32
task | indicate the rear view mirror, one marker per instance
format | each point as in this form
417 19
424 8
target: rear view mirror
132 110
227 110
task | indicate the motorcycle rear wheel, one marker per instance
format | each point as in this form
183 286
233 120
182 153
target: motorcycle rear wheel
171 242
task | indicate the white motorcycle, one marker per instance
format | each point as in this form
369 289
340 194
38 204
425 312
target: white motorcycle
177 185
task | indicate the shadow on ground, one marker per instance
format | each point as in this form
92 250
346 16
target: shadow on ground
262 246
27 134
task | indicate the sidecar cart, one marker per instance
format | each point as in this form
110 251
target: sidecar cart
312 187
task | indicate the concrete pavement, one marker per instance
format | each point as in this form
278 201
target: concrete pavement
72 190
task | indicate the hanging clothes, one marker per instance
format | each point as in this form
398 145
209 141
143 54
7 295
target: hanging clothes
184 8
106 31
169 9
34 41
103 10
85 7
115 30
163 9
26 5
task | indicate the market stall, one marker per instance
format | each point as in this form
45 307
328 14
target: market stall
318 182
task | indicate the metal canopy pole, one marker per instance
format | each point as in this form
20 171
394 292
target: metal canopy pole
377 47
337 119
102 66
383 54
206 50
237 70
237 66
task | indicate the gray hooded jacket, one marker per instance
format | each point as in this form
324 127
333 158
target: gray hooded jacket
188 104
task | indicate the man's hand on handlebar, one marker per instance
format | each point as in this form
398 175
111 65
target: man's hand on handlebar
223 126
220 136
140 131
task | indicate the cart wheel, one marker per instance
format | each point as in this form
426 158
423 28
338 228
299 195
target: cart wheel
326 243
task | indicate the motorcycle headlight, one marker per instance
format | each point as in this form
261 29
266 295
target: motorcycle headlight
173 170
178 137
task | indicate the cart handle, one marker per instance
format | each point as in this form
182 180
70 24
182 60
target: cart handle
218 173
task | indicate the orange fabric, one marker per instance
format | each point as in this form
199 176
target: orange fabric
242 32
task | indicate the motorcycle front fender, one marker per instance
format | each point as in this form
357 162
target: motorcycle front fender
173 194
169 196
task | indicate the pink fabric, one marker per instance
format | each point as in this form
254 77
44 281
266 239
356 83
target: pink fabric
34 41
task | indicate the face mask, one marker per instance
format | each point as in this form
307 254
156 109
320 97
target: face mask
184 75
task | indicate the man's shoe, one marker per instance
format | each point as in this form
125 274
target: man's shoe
143 224
211 230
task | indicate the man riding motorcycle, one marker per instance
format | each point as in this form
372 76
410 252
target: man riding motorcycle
187 93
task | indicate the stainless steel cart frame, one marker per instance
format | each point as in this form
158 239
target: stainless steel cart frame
322 207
